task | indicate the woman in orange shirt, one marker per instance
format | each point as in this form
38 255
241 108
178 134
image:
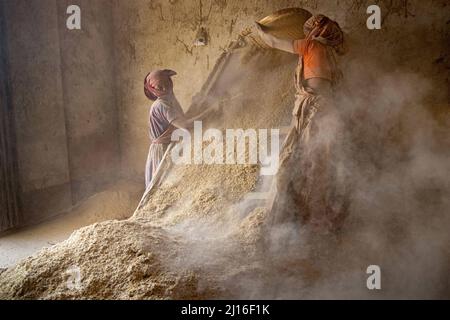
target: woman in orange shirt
310 184
316 53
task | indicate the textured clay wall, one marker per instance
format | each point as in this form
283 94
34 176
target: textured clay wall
160 34
64 101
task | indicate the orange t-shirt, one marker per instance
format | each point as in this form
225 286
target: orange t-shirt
316 62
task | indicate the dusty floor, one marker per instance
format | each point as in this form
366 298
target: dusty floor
117 202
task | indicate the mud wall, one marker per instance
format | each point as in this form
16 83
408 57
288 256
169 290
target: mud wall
160 34
79 106
64 102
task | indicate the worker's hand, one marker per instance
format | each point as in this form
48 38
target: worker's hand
259 28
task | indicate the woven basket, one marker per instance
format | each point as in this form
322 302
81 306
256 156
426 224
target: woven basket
284 24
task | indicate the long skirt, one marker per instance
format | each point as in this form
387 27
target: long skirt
311 185
155 155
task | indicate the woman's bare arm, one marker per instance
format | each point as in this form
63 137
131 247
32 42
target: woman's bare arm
274 42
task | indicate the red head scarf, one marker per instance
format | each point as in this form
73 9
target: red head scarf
326 31
158 84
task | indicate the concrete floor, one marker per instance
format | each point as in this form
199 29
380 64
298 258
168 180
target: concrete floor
118 202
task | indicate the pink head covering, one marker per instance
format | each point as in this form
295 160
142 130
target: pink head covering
158 84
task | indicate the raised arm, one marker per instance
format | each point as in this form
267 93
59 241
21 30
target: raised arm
274 42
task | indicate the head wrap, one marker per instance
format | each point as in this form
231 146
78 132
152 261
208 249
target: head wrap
325 30
158 84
